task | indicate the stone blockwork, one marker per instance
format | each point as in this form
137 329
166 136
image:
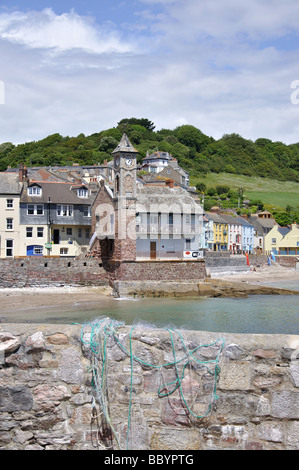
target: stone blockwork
36 271
161 271
48 399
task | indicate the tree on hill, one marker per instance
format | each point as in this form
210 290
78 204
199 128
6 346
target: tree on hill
149 125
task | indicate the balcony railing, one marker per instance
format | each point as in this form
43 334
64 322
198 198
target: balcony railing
168 229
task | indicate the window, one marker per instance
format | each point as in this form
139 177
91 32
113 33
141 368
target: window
86 211
40 232
64 251
9 224
65 211
9 203
87 233
69 231
9 248
34 191
38 250
79 232
35 209
188 244
82 192
273 241
29 232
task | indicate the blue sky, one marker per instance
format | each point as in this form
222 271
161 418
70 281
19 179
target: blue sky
223 66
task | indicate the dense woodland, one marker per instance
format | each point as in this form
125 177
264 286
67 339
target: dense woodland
195 151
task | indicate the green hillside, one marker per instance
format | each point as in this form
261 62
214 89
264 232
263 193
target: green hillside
266 170
276 196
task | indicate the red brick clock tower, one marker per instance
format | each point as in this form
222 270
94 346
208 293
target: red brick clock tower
125 168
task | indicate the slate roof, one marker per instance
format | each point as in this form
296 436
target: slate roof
157 156
283 230
59 193
170 199
125 145
9 183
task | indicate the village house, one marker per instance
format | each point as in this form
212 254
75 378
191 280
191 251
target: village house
220 231
156 162
263 222
10 192
55 218
274 238
208 233
240 234
163 166
289 245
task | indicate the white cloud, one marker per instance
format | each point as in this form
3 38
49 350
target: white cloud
228 18
192 61
63 32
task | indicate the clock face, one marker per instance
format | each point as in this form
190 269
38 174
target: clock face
128 161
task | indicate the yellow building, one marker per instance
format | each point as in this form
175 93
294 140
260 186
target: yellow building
283 240
220 231
273 239
289 245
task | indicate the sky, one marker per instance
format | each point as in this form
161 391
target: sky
223 66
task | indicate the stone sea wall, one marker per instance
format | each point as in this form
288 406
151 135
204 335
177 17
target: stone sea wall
40 272
234 391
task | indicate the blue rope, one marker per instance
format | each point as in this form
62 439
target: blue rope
98 345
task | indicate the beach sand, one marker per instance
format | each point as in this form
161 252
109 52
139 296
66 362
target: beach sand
21 299
263 275
24 299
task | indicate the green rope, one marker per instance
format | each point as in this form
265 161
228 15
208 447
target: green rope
98 347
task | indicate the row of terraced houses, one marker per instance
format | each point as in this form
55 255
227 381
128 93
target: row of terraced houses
49 212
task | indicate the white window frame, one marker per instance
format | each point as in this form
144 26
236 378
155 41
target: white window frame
82 192
9 225
9 248
40 232
86 211
64 210
37 250
34 191
9 203
64 251
35 208
28 230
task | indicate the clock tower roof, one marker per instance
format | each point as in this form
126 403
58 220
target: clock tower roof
125 146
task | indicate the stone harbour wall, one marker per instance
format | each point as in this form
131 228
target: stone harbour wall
40 272
50 391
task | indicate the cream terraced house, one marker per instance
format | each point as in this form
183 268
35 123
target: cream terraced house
10 191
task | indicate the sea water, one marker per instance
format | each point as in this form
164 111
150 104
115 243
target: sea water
263 314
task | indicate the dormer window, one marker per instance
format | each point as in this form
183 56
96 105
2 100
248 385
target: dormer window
82 192
34 191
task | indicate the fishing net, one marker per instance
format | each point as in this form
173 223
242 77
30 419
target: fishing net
187 377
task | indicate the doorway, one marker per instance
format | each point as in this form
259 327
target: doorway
153 250
56 236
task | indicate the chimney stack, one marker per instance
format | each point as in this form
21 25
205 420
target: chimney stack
22 173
